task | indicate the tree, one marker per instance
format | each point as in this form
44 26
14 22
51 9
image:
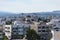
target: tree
39 19
4 37
31 34
8 22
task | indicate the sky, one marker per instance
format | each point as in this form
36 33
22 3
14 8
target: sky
28 6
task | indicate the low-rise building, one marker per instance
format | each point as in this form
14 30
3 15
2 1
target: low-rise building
19 29
44 31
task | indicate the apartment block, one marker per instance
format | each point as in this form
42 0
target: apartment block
19 29
8 31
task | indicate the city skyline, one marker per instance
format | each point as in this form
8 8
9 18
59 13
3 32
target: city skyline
28 6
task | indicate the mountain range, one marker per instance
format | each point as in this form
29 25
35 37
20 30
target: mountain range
36 13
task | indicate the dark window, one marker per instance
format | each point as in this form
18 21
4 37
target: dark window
32 19
7 27
47 27
56 28
0 31
54 25
43 30
7 31
43 27
28 20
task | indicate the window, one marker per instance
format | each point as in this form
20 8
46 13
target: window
14 31
54 25
57 29
58 21
43 30
39 30
47 27
32 19
7 31
39 27
0 31
7 27
28 20
43 27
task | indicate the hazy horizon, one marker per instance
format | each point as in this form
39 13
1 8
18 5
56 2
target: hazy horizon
29 6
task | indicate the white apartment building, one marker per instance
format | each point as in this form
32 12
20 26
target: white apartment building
8 31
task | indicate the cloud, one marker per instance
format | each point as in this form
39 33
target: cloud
17 6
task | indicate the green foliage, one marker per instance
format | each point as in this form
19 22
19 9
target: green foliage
4 37
8 22
31 34
39 19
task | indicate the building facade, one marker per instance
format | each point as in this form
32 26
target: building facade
44 31
19 29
